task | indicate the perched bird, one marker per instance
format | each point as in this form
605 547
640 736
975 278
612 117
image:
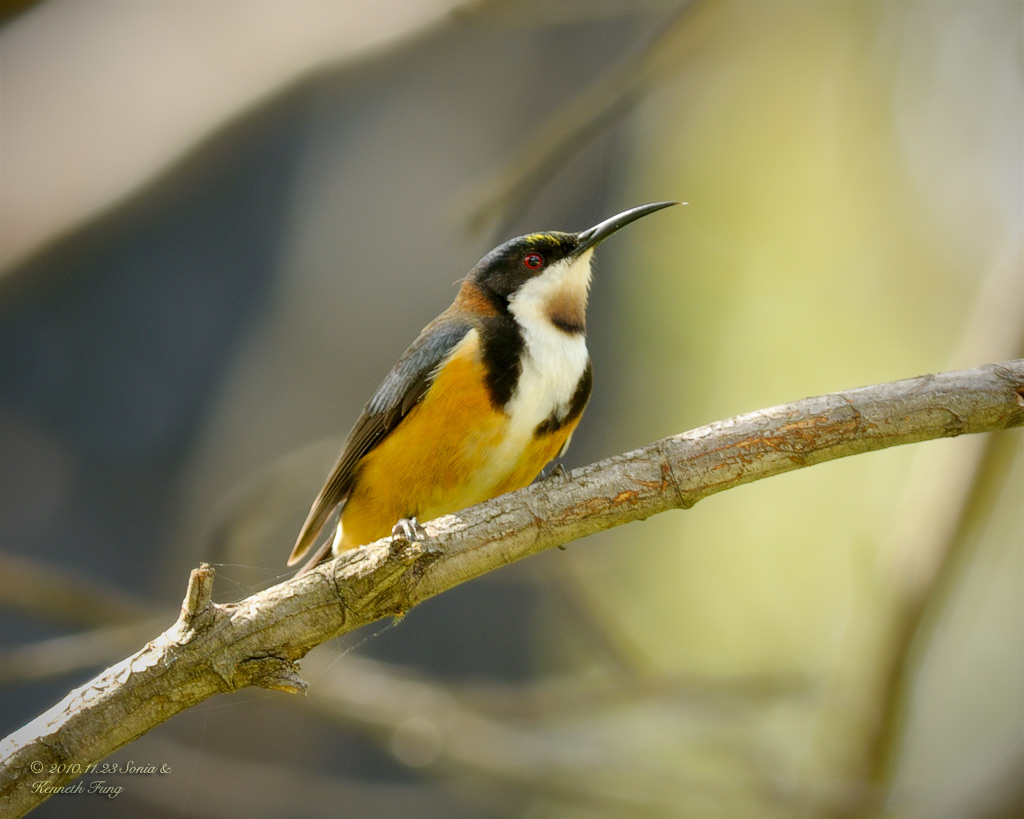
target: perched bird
488 393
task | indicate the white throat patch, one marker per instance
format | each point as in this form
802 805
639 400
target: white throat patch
566 279
553 360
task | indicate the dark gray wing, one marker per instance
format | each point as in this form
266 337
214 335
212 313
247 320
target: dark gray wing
400 391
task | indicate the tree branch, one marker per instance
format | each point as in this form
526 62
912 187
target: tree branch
215 648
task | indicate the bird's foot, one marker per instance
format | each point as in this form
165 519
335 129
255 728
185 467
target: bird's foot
409 529
557 471
412 540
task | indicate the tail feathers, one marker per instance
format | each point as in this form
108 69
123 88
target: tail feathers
320 514
322 552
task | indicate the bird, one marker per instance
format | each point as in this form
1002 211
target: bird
483 399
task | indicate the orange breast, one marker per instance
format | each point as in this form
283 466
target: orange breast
449 452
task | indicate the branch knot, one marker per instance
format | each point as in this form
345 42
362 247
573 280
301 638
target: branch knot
197 609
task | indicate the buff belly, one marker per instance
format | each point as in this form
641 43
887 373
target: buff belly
452 450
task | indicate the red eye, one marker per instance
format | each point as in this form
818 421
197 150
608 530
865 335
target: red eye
534 261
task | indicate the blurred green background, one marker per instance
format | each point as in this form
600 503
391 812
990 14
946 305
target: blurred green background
220 223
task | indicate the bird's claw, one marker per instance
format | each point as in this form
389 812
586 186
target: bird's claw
409 529
412 540
557 471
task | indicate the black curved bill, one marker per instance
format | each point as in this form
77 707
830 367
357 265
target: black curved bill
598 233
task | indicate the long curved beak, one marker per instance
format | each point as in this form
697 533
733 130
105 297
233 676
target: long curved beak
591 237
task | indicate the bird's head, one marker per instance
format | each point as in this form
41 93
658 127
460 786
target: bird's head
548 274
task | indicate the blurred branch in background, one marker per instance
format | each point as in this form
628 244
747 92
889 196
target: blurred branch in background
240 786
928 546
55 593
10 9
494 202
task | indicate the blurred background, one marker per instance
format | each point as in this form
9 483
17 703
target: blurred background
221 223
